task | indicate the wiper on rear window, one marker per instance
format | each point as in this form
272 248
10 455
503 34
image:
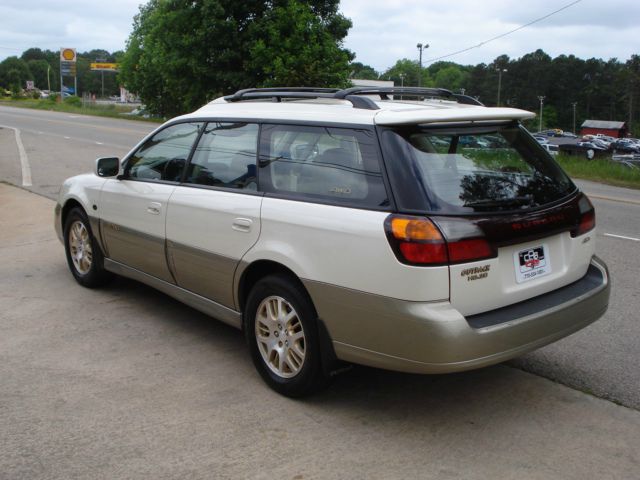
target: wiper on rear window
501 203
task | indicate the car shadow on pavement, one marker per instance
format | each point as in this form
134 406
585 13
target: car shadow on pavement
370 387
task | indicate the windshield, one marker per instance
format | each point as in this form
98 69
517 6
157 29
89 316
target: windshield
467 170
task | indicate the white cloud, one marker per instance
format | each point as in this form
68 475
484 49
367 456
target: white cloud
385 30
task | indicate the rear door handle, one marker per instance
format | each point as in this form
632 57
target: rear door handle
154 208
242 224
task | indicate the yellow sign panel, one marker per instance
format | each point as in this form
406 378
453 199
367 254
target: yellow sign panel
104 66
68 54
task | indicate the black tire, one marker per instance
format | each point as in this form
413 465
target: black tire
308 377
88 272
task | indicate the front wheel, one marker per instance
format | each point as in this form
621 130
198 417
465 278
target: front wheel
83 253
280 327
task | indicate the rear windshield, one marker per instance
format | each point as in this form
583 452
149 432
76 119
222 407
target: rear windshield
465 170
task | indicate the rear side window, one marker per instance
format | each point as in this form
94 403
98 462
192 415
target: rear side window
328 165
225 156
471 169
164 156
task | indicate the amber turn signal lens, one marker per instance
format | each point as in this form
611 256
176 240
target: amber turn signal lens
416 240
414 229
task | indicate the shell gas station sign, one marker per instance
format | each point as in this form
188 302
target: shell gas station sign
67 54
68 69
104 66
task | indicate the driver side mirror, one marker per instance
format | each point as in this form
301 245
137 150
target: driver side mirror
107 166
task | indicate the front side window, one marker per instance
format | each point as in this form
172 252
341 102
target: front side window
164 156
225 156
471 169
334 165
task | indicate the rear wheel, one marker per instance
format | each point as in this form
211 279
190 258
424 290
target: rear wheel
84 256
280 327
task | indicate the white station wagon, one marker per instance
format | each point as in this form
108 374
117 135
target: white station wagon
424 234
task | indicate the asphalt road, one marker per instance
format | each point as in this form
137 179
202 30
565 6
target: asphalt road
601 359
60 145
126 383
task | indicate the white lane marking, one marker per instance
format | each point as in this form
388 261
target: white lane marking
622 237
99 143
67 138
24 160
614 199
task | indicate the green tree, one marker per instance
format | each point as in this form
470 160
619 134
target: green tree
362 71
452 77
410 70
294 46
38 69
14 72
182 53
35 54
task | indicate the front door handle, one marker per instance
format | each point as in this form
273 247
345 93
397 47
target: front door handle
154 208
242 224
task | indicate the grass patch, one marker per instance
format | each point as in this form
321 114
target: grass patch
98 110
601 170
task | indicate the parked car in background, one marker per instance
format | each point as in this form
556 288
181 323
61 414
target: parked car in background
625 146
552 149
592 145
340 226
606 138
604 144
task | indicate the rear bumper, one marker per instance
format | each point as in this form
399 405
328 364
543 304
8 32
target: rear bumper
435 338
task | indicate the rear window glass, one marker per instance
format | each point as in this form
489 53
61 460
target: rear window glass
467 170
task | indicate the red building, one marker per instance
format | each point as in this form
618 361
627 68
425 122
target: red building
613 129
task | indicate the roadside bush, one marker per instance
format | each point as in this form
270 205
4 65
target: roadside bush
73 101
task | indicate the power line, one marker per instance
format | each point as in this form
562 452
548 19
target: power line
504 34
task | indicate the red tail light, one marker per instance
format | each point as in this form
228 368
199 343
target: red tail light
469 250
416 240
419 241
587 218
587 222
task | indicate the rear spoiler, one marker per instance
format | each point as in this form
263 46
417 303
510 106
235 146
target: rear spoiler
408 116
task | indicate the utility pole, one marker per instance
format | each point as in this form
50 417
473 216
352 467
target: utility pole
541 98
574 104
48 81
102 60
402 75
630 108
500 72
421 47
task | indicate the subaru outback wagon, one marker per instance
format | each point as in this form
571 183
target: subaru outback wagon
429 234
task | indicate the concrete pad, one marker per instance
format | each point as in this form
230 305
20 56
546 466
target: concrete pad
125 382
